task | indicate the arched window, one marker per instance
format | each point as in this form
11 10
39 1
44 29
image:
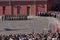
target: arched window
4 6
12 9
28 10
18 9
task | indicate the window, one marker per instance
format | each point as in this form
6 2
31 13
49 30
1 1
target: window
4 9
28 10
12 9
18 9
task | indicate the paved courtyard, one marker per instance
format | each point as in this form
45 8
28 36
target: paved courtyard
27 26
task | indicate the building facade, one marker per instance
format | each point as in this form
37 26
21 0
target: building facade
22 7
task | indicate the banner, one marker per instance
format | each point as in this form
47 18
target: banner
49 27
56 27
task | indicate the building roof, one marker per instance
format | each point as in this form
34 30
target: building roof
23 0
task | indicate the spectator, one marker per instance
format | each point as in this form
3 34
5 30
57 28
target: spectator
36 36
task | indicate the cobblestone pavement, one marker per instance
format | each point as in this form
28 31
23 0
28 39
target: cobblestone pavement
26 26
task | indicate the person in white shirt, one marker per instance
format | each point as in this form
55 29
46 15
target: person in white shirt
10 39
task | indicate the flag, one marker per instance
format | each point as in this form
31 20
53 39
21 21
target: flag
49 27
56 27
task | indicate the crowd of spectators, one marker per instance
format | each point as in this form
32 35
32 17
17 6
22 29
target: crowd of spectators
31 36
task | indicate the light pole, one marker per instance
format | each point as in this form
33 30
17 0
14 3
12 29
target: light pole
9 2
35 6
35 14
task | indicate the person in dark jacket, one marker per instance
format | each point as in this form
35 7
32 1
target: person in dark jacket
58 36
0 37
